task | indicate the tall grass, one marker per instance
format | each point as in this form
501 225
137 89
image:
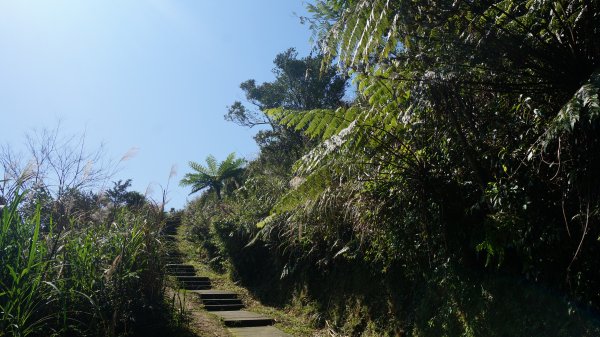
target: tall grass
96 280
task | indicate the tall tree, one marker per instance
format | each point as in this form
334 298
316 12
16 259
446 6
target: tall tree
214 175
299 85
120 196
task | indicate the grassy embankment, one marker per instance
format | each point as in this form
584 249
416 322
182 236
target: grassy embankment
94 279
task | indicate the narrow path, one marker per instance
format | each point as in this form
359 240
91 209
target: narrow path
224 304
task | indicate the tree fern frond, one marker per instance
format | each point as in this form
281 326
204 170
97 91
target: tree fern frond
211 161
584 106
316 157
310 188
318 123
230 166
354 38
199 167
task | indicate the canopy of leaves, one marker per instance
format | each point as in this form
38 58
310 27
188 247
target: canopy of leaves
299 85
472 144
480 118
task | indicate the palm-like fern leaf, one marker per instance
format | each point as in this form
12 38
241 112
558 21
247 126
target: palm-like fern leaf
214 174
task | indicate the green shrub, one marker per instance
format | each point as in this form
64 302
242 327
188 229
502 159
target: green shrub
95 280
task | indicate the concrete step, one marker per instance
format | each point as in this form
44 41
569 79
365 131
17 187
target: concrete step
173 257
172 254
169 258
178 260
203 285
259 331
169 230
194 282
223 307
215 294
243 318
195 285
188 286
181 273
198 282
179 266
215 301
192 278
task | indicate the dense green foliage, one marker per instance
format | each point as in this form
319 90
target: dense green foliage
459 187
299 84
100 277
77 258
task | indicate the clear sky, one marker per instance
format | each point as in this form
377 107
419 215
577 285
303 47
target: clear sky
152 74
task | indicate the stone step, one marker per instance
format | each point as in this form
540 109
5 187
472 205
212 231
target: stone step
223 307
177 260
195 285
173 258
191 286
215 301
173 254
192 278
198 283
243 318
181 273
170 230
259 331
179 266
215 294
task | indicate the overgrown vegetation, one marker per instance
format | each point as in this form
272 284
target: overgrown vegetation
100 279
457 194
77 260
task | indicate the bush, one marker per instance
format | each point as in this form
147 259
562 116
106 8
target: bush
96 280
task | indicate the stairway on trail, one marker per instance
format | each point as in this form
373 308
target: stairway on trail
225 304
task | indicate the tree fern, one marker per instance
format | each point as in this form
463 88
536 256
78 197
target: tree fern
214 175
583 107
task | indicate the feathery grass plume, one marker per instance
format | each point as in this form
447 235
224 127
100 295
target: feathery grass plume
132 152
173 172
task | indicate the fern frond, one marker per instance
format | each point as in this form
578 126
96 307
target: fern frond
318 123
199 167
584 106
211 161
311 187
355 37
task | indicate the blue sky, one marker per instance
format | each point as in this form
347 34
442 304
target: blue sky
151 74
